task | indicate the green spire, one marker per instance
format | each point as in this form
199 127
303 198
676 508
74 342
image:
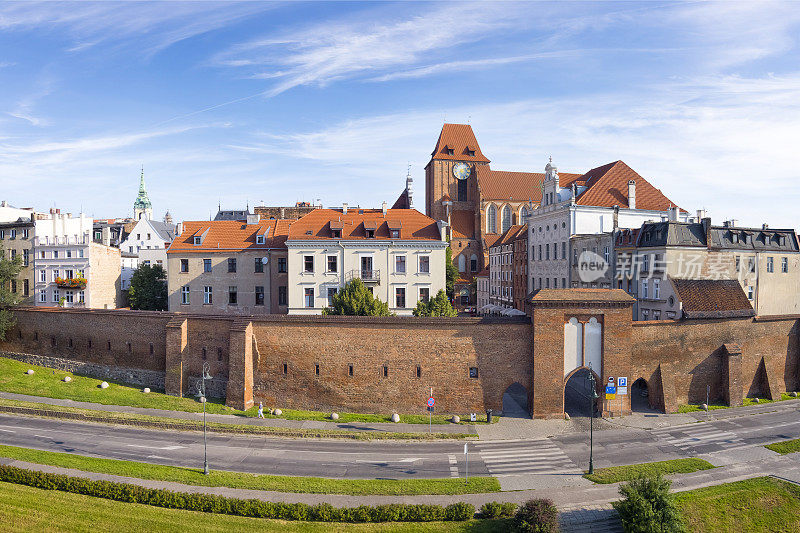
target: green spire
142 201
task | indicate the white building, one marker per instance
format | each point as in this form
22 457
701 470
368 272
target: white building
69 265
399 254
9 213
601 200
147 241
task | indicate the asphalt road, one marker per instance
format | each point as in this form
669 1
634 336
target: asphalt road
398 460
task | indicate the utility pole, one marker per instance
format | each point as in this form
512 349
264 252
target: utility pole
206 375
592 404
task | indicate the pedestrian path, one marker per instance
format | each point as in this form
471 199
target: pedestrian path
593 518
519 457
696 437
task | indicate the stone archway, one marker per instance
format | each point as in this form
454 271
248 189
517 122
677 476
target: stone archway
640 397
578 392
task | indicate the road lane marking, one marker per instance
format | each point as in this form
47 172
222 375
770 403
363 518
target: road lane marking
155 447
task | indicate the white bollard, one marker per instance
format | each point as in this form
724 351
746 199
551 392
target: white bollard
146 390
277 412
67 379
334 416
395 418
29 372
456 419
104 385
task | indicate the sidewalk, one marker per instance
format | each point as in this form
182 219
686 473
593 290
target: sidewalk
243 420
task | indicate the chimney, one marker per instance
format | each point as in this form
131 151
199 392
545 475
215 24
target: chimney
616 217
179 229
701 214
383 208
344 208
631 194
764 226
707 229
3 204
673 214
107 236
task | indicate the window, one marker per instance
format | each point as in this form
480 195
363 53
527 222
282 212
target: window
400 264
233 296
198 240
42 295
770 265
25 257
206 265
285 368
25 287
68 273
316 369
82 297
656 289
473 372
750 293
564 250
55 295
784 264
259 266
259 295
752 265
462 263
69 253
424 294
400 297
606 254
331 293
208 296
462 190
281 264
350 370
282 295
645 312
547 252
205 354
419 371
491 219
574 257
185 295
644 288
738 263
309 297
473 263
55 254
43 275
259 239
386 368
424 264
333 265
563 283
184 265
646 263
506 219
546 283
231 264
308 263
394 233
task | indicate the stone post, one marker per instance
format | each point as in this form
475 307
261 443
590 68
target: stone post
732 386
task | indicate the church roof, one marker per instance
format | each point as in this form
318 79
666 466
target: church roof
462 223
607 186
142 201
517 186
460 139
402 201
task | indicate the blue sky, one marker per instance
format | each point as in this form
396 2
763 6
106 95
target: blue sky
295 101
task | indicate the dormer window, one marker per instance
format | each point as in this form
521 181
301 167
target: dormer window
449 151
370 233
471 153
336 233
198 240
259 239
395 233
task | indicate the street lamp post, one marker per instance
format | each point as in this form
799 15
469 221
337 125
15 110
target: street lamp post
592 404
206 375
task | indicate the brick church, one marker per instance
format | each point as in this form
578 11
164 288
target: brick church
478 203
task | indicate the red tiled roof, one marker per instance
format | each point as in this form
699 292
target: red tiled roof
582 295
511 234
414 225
402 201
607 186
517 186
490 239
227 235
712 298
463 224
459 138
482 274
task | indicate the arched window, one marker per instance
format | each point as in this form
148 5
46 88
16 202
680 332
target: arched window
491 219
462 263
473 263
524 214
506 219
464 294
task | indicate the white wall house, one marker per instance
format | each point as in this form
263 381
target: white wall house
147 241
399 254
592 203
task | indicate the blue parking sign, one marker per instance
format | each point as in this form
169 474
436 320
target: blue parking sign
622 382
611 389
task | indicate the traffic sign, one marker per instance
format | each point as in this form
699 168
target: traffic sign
431 402
622 382
610 396
611 389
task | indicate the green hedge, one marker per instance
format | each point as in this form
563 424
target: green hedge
209 503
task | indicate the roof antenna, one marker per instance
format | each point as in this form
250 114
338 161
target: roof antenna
469 119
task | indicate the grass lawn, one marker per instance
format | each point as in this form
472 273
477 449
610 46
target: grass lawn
784 447
755 505
26 509
49 383
615 474
691 408
220 478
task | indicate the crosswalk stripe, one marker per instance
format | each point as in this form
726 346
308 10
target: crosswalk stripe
524 457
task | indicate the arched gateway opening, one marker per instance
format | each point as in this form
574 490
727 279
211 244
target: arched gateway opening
578 393
640 397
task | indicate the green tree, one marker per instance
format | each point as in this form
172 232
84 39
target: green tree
9 270
355 299
438 306
148 288
648 507
451 273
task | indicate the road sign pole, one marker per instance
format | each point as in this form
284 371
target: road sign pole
466 462
708 394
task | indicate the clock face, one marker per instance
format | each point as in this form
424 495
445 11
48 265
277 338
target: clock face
461 171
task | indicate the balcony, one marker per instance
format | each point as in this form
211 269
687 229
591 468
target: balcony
367 276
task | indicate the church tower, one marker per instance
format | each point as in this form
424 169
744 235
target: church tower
142 208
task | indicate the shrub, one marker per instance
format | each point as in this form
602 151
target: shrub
209 503
498 510
647 507
458 512
537 516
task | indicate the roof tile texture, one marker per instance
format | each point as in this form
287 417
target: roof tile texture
227 235
712 298
607 186
460 138
414 225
